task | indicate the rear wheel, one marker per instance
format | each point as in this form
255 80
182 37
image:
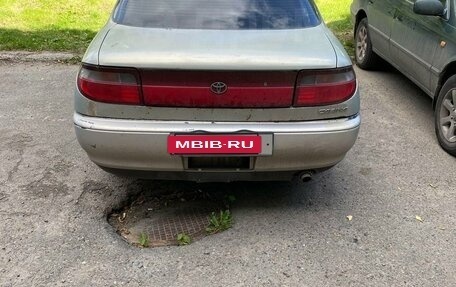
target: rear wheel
445 116
364 55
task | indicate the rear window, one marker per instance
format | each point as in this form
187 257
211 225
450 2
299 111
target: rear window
217 14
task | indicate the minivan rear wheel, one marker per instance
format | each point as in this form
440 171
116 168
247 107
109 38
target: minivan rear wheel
445 116
365 57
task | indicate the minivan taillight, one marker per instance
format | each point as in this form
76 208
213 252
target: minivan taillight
324 87
110 85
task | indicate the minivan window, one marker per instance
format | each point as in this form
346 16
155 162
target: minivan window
217 14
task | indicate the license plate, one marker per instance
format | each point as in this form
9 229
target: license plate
215 144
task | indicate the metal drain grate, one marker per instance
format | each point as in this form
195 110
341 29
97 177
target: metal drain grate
162 211
191 221
162 225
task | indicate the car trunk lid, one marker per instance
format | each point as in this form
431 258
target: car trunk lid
191 49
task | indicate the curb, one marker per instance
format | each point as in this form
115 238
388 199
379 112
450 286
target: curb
24 56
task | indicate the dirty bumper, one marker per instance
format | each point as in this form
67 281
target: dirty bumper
138 145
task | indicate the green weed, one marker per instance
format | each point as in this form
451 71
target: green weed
144 240
219 222
183 239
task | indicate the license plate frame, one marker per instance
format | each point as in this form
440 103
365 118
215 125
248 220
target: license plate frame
220 144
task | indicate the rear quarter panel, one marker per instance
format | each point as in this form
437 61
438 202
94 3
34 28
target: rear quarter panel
91 55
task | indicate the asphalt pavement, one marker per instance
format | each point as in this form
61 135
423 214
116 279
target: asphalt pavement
396 185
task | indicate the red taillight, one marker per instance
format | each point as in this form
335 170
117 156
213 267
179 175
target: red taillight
325 87
115 86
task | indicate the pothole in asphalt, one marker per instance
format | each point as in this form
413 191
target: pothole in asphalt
173 214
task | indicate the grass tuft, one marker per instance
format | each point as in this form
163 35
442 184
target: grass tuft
50 25
144 240
219 222
184 239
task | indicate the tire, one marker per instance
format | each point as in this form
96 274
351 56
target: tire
445 116
365 57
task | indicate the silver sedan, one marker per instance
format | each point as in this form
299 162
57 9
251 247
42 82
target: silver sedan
216 91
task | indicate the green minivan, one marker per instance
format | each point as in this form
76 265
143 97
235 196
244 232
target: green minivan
417 37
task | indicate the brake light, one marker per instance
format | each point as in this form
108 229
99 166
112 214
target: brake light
325 87
110 85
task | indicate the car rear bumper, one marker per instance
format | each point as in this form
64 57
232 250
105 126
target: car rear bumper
141 145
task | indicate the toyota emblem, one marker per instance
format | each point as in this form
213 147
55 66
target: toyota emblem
219 88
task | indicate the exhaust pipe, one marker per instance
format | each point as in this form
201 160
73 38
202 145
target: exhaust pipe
306 176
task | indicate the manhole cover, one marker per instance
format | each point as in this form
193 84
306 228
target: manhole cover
161 219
